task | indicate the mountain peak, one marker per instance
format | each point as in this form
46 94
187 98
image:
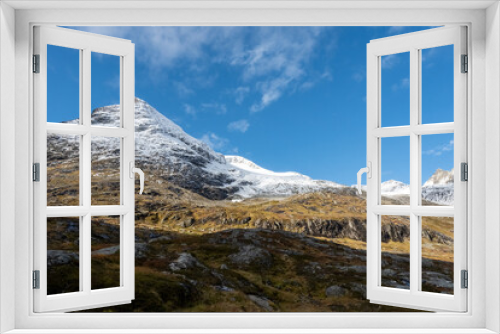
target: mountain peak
440 178
394 187
245 164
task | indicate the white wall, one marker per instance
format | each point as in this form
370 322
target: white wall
7 160
492 163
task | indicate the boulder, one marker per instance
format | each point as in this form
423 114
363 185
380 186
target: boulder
335 291
185 261
140 250
250 254
58 257
262 302
107 251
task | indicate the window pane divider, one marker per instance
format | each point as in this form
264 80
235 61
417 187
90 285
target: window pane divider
421 129
75 129
73 211
406 210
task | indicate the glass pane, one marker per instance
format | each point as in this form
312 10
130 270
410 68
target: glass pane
395 171
437 254
105 252
395 86
105 171
105 90
437 84
395 248
437 169
63 84
63 249
63 170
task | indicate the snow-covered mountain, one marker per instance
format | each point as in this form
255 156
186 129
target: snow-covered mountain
254 180
168 153
440 178
393 187
439 188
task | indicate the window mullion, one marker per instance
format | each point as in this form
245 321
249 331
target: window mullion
86 170
414 171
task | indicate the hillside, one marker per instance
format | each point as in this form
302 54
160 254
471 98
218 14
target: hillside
222 234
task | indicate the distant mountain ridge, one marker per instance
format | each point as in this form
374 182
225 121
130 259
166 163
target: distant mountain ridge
168 153
439 188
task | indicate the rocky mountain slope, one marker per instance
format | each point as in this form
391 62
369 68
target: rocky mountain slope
167 153
222 234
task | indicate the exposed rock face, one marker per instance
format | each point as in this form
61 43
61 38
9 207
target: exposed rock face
262 302
252 255
185 261
58 257
335 291
346 228
393 232
107 251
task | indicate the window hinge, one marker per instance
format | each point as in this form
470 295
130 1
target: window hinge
36 63
36 172
465 279
464 171
36 279
465 64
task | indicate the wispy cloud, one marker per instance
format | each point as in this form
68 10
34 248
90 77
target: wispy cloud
390 61
358 76
214 141
276 60
182 89
218 108
272 60
240 126
440 149
316 79
189 109
240 94
404 83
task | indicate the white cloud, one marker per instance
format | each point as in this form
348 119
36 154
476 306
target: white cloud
358 76
241 126
218 108
440 149
277 60
240 94
272 60
182 89
404 83
390 61
214 142
189 109
164 47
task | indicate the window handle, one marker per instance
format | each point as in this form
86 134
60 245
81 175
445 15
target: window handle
368 171
134 170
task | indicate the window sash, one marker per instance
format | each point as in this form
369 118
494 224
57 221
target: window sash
86 297
413 43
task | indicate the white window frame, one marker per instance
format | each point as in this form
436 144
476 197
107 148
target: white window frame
413 43
484 145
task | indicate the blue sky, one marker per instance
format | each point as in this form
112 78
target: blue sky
288 98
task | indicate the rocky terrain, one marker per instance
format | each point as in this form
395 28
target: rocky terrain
212 236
